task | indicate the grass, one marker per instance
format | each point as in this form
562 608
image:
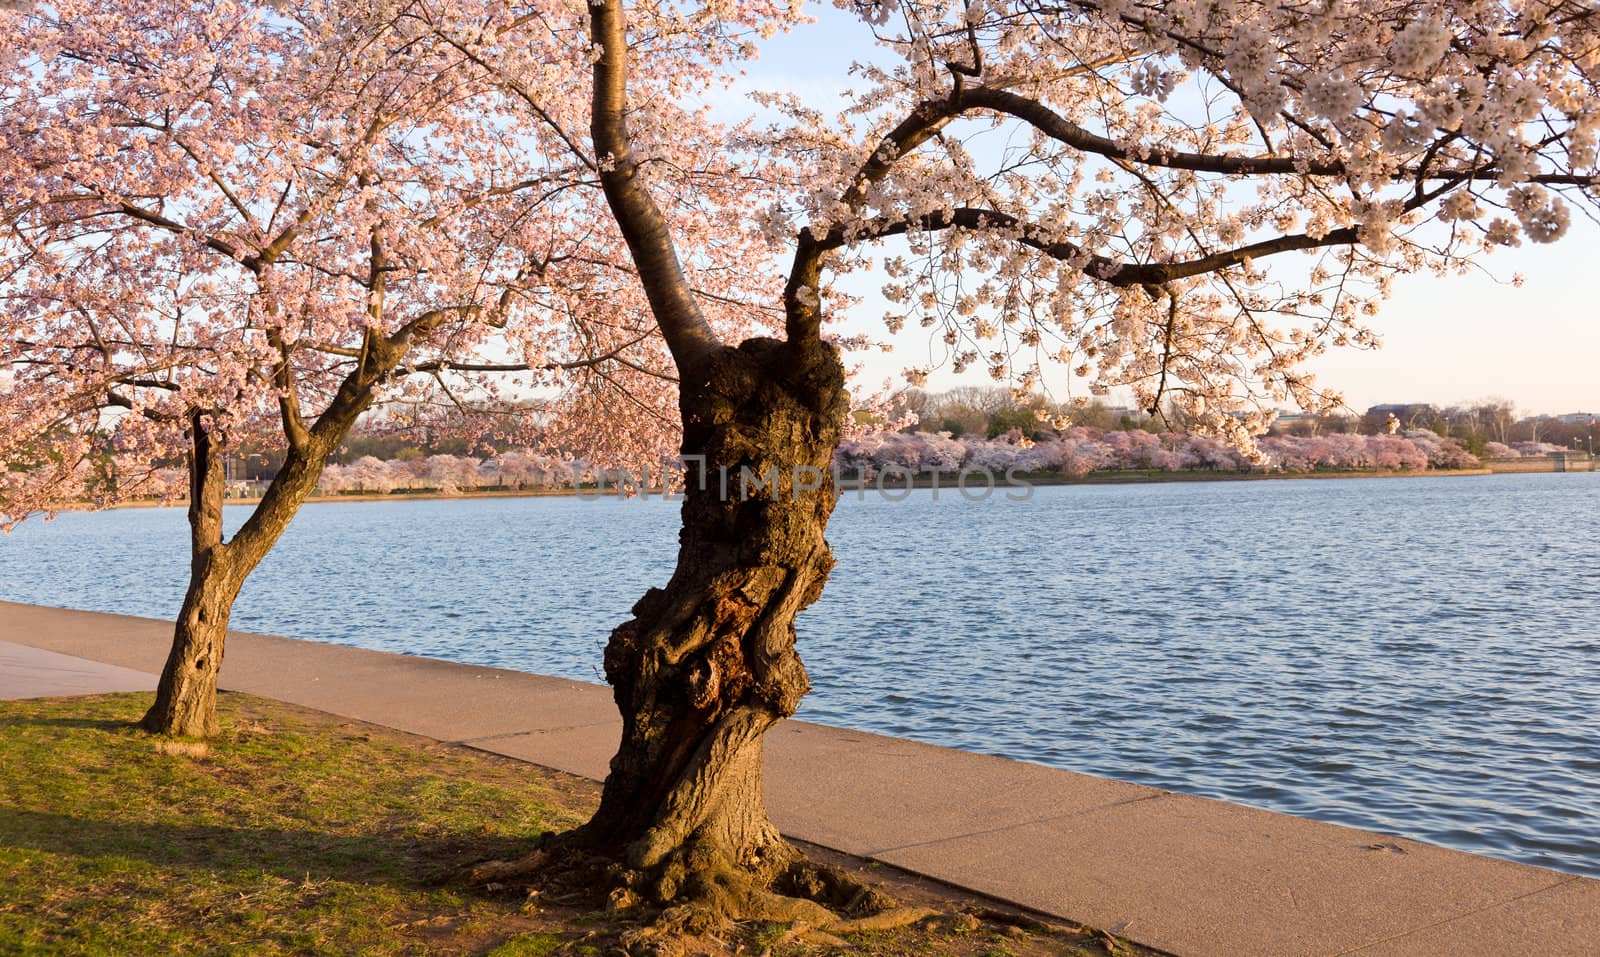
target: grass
291 834
298 833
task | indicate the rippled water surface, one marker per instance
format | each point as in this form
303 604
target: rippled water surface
1416 656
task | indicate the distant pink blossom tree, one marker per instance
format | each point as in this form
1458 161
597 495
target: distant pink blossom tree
229 223
1443 452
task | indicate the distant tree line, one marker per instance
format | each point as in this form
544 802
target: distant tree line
990 412
1075 452
1080 450
984 427
1477 425
253 463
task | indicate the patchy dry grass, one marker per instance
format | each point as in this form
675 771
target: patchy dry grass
298 833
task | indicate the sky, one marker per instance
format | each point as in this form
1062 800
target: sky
1446 340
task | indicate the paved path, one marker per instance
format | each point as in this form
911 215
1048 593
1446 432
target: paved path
27 672
1184 874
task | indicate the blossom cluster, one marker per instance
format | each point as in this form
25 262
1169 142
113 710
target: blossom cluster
1128 171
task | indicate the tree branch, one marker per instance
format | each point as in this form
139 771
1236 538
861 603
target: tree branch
1103 268
1058 128
688 335
613 355
294 429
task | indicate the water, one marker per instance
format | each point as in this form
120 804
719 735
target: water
1413 656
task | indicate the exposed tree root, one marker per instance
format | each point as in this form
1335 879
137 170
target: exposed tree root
833 886
697 895
525 867
794 933
1033 925
888 920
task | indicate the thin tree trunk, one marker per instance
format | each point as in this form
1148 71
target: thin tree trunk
186 696
708 664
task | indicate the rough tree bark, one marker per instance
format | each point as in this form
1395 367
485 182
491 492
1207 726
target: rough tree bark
708 664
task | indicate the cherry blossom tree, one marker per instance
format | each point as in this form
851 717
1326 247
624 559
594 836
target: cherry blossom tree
366 474
1184 199
1443 452
527 469
227 222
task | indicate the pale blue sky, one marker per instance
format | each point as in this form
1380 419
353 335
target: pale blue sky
1446 340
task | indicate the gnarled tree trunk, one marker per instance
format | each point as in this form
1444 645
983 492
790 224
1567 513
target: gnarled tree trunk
708 664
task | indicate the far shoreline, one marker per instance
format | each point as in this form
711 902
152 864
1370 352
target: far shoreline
1038 480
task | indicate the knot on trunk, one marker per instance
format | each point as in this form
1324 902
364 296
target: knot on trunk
622 654
704 683
720 678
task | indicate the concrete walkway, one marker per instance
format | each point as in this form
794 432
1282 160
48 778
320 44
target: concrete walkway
1183 874
27 672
